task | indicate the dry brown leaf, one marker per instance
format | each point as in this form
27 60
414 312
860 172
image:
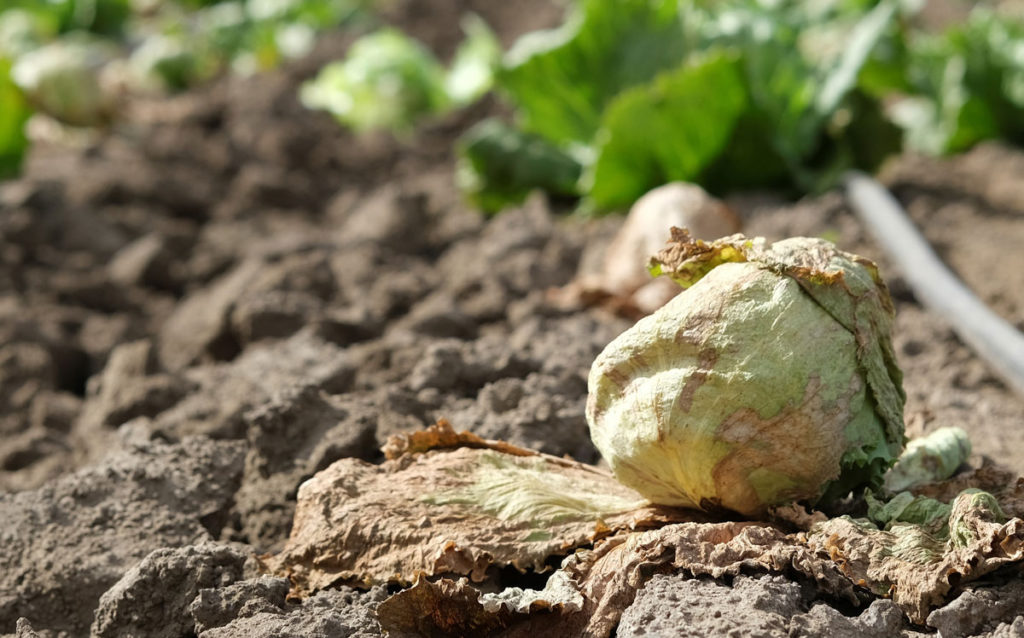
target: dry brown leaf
441 609
452 510
605 581
448 503
441 435
841 555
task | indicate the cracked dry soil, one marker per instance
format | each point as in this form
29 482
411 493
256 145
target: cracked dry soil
228 293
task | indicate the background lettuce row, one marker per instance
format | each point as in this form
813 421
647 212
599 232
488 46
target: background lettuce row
746 94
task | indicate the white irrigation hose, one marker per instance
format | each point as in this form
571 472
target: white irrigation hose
994 339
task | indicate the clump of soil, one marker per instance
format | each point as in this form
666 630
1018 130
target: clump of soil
228 293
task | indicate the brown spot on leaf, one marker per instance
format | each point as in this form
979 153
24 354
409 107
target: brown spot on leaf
705 363
804 442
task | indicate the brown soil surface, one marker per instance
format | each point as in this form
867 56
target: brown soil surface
227 293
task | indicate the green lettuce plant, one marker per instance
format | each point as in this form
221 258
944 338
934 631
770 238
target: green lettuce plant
62 79
390 81
732 95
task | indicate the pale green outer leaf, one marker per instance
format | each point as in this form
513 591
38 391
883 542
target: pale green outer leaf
851 290
847 286
735 394
930 458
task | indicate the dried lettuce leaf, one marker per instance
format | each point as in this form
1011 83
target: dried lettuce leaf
448 503
927 549
917 566
1006 487
844 556
587 596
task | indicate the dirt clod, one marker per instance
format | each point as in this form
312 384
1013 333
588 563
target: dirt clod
152 598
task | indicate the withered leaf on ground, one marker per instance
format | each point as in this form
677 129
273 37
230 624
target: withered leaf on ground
916 568
457 509
915 565
587 596
442 608
453 504
1005 486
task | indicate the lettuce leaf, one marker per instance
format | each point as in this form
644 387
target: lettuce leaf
499 165
667 130
14 113
967 85
472 70
733 95
388 80
562 80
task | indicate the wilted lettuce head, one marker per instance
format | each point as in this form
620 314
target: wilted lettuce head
771 378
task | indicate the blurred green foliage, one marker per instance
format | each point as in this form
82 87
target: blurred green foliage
14 112
635 91
73 59
500 163
623 96
731 94
390 81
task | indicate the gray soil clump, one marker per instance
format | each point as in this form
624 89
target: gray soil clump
762 607
152 598
67 543
985 611
257 609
